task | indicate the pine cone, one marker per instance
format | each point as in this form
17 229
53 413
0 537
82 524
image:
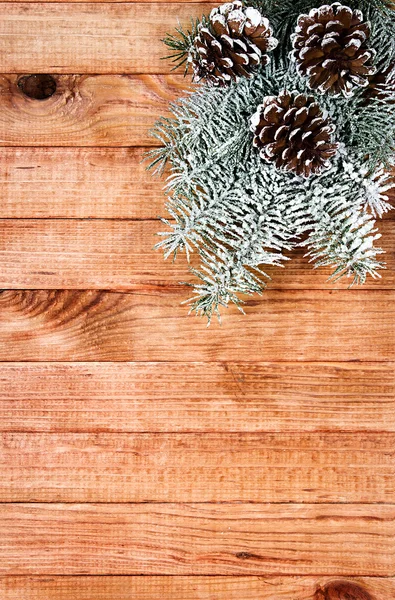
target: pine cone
292 131
330 49
232 43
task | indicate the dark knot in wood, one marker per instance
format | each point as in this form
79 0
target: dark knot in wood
342 590
247 556
39 87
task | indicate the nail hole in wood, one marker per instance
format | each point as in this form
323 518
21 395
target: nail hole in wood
342 590
38 87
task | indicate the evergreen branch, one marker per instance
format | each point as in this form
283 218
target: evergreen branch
346 242
377 184
181 44
221 284
343 224
373 135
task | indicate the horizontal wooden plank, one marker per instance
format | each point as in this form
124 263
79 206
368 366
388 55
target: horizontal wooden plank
103 254
86 110
109 183
231 467
115 1
289 325
186 539
81 254
89 37
188 588
197 397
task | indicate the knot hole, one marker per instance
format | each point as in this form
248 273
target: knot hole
38 87
342 590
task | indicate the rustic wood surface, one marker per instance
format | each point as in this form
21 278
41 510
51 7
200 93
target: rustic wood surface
87 110
215 397
78 183
152 325
89 37
193 539
231 467
142 455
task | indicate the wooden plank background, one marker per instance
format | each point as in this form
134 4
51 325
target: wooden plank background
142 455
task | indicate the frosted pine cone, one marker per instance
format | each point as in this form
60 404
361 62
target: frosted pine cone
330 49
291 130
232 43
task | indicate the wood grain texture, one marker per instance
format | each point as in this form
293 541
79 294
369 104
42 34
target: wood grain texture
187 539
86 110
197 397
249 467
109 183
108 254
289 325
182 588
222 467
88 37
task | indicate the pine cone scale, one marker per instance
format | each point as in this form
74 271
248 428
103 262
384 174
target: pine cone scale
382 86
300 116
219 25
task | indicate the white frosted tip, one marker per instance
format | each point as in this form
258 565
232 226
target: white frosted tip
254 16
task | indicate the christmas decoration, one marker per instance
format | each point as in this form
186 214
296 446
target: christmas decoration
292 131
264 156
233 43
330 49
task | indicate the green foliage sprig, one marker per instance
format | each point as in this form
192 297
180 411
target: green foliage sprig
180 44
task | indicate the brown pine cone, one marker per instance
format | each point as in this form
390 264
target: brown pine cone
232 43
331 51
291 130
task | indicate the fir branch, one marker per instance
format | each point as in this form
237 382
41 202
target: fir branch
181 44
377 184
220 285
372 132
346 242
343 204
